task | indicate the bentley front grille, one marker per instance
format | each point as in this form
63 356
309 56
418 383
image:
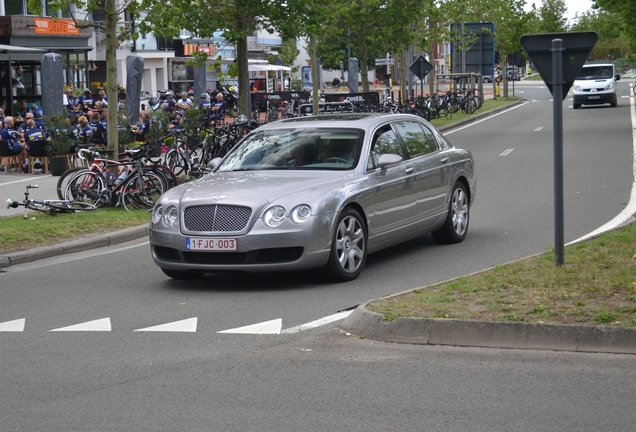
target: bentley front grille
216 218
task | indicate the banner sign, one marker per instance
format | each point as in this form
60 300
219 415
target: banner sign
51 26
354 98
286 96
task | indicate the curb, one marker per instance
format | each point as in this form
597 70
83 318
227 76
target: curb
428 331
79 245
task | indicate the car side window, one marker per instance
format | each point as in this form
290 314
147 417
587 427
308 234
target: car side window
385 141
418 140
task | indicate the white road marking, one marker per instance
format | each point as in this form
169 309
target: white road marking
31 179
13 326
267 327
318 323
97 325
538 129
186 325
630 210
507 152
485 119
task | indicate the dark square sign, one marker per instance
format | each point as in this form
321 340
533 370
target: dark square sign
576 48
420 67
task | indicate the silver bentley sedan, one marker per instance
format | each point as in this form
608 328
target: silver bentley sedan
311 192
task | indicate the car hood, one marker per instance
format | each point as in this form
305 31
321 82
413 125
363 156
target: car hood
257 188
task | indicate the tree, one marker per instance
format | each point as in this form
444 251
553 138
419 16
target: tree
236 19
552 16
612 42
624 10
116 32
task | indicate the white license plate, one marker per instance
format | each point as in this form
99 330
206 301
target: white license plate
593 97
211 244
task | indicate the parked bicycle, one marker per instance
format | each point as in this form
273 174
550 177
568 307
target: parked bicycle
50 207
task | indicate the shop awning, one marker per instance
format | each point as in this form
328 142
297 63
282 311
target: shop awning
11 49
268 67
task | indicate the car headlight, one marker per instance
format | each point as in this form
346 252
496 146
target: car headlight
609 86
170 216
274 216
157 214
301 213
577 88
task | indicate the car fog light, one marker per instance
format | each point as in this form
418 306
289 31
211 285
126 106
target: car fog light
274 216
301 213
170 216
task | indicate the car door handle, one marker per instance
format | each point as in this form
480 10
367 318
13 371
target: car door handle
444 160
410 170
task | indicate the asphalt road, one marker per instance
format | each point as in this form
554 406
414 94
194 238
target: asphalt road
115 378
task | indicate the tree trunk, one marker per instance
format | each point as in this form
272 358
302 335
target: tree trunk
243 70
313 56
111 78
362 51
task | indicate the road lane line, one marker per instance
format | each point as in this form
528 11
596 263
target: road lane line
97 325
485 119
538 129
186 325
13 326
507 152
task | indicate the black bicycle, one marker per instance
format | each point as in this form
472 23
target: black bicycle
50 207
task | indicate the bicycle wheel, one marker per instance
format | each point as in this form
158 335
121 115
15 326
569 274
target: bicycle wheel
469 106
64 178
477 100
177 162
64 206
141 191
85 187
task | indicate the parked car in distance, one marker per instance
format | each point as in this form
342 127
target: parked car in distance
513 75
316 192
486 78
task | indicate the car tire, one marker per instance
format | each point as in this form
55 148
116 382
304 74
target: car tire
576 106
614 104
348 247
456 224
181 275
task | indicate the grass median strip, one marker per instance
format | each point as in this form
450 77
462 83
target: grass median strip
17 233
596 286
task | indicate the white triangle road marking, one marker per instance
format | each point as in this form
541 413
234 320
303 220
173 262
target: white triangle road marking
97 325
186 325
318 323
13 326
267 327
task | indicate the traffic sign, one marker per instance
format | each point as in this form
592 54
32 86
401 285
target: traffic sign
576 47
420 67
384 61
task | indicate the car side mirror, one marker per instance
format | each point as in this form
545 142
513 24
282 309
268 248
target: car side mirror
618 77
389 159
214 163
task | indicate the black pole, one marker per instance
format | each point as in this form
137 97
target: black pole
557 93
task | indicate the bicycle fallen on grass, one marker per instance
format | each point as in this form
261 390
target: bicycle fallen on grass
50 207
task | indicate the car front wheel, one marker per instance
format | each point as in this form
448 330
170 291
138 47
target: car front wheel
456 225
348 247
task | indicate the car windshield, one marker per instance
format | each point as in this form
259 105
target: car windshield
595 72
297 149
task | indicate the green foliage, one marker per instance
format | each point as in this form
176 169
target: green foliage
58 127
624 10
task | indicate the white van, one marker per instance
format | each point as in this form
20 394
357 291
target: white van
595 84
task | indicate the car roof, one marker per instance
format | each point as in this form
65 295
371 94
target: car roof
349 120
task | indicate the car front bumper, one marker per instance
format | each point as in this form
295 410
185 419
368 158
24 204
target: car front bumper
295 248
